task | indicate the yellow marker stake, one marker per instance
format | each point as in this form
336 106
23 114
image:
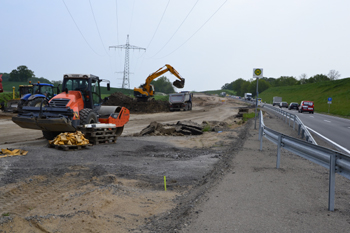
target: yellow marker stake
165 183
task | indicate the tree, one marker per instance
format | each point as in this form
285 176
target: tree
318 78
333 75
163 84
21 74
285 81
302 78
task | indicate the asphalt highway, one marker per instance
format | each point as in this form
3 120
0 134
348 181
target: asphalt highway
334 128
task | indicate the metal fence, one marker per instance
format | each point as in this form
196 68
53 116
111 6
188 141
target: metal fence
287 117
333 160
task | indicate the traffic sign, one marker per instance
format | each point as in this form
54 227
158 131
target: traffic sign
329 98
257 73
329 102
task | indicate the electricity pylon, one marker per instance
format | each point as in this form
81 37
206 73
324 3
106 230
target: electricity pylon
127 46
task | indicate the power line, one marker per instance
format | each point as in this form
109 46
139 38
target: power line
99 34
159 23
132 15
79 29
116 13
176 30
195 31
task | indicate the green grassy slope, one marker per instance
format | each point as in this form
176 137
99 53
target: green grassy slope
339 90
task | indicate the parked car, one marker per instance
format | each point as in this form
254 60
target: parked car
283 105
306 106
293 105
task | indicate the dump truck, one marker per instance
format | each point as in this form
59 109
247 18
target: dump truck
79 104
182 100
146 90
276 100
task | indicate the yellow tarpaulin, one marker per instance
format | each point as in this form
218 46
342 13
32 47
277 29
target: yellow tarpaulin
7 152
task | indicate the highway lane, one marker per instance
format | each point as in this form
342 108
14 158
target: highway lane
334 128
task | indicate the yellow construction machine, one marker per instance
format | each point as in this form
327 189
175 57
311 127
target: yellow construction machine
147 90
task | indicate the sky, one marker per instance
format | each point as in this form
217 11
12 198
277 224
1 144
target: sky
209 43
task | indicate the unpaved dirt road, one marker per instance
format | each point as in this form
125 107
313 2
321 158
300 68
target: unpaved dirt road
216 182
111 187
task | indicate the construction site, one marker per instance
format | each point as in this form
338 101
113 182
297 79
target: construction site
154 169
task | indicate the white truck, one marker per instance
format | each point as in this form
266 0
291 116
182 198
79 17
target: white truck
248 96
181 100
276 100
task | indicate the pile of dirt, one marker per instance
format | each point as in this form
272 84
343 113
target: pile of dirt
134 106
182 128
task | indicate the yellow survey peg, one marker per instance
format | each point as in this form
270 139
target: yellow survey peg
165 183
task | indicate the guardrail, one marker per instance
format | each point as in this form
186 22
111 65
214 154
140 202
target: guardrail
333 160
303 132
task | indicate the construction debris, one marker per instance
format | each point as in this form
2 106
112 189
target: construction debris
7 152
70 139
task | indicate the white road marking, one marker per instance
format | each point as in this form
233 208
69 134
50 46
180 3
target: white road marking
312 116
326 121
348 151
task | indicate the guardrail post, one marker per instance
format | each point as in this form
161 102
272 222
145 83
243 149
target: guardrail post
294 123
299 127
261 137
331 182
279 151
302 133
289 120
307 138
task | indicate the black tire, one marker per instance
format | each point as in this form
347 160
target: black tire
37 102
87 116
50 135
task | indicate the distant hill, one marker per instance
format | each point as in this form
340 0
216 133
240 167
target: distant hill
229 92
338 90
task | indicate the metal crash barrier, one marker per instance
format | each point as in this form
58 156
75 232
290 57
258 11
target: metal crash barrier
297 123
335 161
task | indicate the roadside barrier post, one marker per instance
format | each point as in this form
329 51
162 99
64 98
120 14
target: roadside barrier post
289 120
302 133
299 127
261 137
331 182
294 123
279 151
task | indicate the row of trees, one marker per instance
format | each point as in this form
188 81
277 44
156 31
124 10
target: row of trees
23 74
242 86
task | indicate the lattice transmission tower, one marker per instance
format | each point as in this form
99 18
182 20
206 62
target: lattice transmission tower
127 46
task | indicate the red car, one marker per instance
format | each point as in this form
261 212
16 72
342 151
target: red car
306 106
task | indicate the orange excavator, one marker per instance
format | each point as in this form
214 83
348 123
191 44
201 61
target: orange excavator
79 104
147 90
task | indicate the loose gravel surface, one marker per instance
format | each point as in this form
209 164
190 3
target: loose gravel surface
216 182
113 186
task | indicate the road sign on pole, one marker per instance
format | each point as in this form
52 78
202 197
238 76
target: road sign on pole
257 73
329 102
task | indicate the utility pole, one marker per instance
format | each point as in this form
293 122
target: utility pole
127 46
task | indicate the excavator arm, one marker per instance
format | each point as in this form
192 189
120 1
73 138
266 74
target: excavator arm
146 90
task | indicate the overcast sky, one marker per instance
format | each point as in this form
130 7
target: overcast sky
209 43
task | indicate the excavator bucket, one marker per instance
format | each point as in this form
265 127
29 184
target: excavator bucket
179 84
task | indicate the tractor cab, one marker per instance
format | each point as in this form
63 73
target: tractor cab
45 89
88 85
